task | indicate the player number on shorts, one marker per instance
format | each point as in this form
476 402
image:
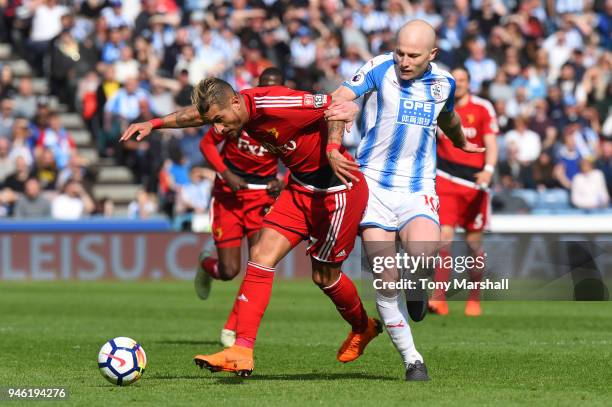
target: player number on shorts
432 202
478 221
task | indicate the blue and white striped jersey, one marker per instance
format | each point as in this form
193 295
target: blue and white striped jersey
399 121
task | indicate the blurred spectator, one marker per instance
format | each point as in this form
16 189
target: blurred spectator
46 24
143 207
56 139
104 207
526 141
46 169
126 66
32 204
542 124
605 163
568 160
480 67
114 16
519 105
7 90
6 118
65 55
111 51
17 179
73 203
25 100
183 95
7 199
542 173
76 170
7 163
189 143
512 172
589 188
121 109
21 146
195 196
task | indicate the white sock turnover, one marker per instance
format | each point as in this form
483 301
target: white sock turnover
396 323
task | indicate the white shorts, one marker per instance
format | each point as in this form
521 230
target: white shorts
392 210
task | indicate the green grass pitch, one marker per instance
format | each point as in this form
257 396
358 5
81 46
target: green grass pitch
535 353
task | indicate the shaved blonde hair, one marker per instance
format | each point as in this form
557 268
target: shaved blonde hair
209 92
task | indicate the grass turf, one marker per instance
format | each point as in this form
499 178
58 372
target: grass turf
517 353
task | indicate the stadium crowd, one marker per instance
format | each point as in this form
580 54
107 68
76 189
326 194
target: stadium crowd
545 65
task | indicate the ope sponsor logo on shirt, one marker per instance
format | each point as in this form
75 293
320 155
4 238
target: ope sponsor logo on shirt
415 112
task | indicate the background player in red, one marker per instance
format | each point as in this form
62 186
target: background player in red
315 205
245 188
462 181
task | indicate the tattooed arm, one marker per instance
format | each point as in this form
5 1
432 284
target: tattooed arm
185 117
341 165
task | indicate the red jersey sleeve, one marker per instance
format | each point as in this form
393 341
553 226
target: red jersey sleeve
208 148
489 119
300 108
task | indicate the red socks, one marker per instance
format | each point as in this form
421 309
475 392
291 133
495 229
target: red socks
343 294
211 266
442 274
252 300
232 318
475 275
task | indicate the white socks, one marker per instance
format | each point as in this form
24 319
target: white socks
395 318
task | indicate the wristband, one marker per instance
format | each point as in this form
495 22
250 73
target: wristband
332 146
489 168
156 123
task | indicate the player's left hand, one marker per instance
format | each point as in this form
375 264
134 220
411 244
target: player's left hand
345 111
471 148
483 179
343 167
274 188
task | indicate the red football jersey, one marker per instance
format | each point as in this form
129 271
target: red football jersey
244 156
290 123
477 119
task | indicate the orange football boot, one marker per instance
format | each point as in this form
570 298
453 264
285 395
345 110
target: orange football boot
439 307
472 308
355 344
236 359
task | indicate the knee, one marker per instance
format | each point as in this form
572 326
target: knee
325 277
228 270
256 254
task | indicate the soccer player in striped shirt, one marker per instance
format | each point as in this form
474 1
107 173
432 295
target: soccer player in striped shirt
406 96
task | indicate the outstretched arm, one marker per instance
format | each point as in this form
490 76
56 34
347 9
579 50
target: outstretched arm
185 117
450 123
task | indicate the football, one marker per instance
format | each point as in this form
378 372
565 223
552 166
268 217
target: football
122 361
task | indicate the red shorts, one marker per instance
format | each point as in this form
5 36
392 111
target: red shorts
461 205
330 220
237 215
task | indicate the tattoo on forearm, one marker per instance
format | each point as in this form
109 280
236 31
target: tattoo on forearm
335 131
186 117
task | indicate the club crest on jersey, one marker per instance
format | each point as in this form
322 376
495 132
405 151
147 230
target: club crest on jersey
320 100
358 79
273 132
436 91
218 233
308 100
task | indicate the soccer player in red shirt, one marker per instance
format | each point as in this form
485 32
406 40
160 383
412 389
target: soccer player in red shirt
245 188
461 182
315 205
